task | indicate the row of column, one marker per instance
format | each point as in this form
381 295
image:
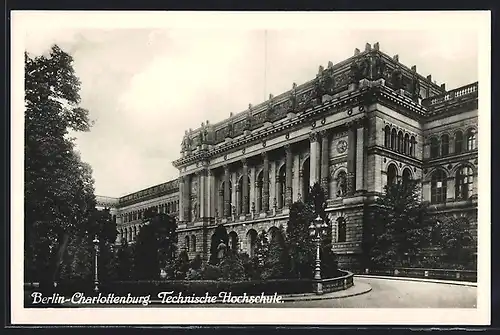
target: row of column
318 172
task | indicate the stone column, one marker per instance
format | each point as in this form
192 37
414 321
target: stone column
236 203
253 189
450 189
300 195
227 204
181 198
265 186
351 159
220 204
360 155
272 184
288 175
314 158
296 181
210 193
234 196
187 198
203 194
257 197
245 187
325 159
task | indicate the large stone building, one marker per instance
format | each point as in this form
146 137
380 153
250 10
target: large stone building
357 126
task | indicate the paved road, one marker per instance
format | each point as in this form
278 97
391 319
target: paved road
387 293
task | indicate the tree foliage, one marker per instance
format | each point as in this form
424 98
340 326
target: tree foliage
59 191
400 226
453 237
156 246
301 246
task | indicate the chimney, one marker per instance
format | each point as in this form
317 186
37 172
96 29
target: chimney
330 64
376 46
429 78
368 47
356 52
443 87
395 58
414 68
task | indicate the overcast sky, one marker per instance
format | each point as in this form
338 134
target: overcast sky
144 87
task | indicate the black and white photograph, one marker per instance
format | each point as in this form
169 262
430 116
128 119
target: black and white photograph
250 168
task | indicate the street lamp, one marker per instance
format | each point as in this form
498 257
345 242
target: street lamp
318 230
96 278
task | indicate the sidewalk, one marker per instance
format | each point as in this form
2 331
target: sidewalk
424 280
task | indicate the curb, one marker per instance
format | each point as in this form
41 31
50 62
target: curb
422 280
327 296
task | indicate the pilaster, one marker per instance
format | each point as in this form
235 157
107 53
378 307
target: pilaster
314 158
288 175
265 191
325 162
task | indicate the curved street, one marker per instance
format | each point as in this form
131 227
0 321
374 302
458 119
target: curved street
393 293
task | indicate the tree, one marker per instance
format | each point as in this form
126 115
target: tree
261 251
276 262
155 246
455 240
232 267
59 192
400 227
124 261
300 244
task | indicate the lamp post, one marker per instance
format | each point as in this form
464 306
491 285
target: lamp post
96 278
318 230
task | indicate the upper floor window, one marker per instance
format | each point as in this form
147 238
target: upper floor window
471 139
406 142
393 139
400 142
459 142
434 147
413 144
445 145
464 180
387 137
438 186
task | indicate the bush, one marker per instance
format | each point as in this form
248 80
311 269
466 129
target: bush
193 274
196 263
211 272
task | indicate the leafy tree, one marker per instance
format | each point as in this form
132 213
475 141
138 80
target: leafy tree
182 265
261 251
276 263
196 263
219 236
124 261
455 240
400 227
156 245
232 267
59 192
300 244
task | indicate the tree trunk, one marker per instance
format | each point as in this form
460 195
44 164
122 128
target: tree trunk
59 256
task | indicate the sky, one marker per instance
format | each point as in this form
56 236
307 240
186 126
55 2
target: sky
145 85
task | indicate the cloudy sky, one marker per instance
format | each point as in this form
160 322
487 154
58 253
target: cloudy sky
144 85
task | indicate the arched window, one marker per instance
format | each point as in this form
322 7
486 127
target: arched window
393 139
252 239
193 242
233 240
400 142
392 173
413 144
341 228
471 139
407 144
387 137
445 144
464 180
341 184
459 142
434 147
406 176
186 243
438 186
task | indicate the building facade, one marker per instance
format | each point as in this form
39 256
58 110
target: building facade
359 125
